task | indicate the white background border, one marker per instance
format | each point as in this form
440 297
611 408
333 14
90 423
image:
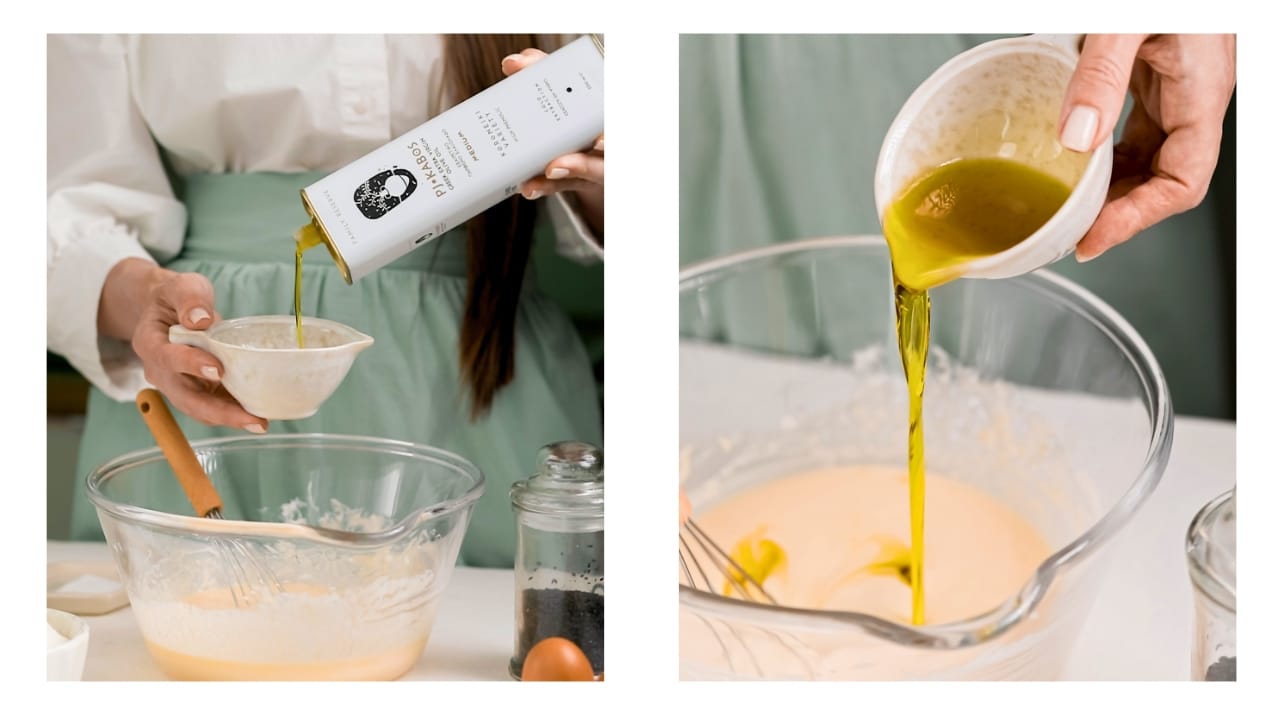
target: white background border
642 383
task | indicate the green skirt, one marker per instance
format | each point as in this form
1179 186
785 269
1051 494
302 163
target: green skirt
407 385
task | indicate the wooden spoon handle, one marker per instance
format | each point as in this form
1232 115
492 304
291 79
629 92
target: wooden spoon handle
182 459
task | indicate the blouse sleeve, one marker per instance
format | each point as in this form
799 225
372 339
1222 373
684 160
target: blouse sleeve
108 199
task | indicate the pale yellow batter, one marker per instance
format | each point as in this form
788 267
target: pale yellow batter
842 531
384 666
302 633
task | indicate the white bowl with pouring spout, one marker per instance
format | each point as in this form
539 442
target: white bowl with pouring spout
1001 99
264 369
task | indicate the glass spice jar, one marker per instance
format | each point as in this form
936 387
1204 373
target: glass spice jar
559 570
1211 561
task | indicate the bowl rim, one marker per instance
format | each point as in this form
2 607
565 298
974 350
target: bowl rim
156 519
355 340
1008 614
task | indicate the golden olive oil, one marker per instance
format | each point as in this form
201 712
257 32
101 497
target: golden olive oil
965 210
759 558
307 237
950 216
912 313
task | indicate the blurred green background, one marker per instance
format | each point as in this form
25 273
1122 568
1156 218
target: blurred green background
779 137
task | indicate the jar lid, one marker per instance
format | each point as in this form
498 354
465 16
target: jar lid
569 482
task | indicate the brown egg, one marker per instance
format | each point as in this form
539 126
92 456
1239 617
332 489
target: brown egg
556 658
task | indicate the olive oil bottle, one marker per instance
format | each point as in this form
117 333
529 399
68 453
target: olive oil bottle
456 165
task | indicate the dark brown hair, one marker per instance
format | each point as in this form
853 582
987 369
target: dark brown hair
498 240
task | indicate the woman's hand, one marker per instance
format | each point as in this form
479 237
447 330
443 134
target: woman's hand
1167 152
581 173
139 302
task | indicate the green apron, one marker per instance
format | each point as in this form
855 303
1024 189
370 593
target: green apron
779 137
407 385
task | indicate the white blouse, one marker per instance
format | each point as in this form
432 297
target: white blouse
222 104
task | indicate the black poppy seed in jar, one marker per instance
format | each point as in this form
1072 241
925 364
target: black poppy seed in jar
575 615
1223 669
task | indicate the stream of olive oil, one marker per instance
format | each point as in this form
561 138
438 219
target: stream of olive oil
307 237
948 217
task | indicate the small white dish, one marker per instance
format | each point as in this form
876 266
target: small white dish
66 658
1000 99
84 588
266 371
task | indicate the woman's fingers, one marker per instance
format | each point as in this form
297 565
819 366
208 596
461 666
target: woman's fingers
575 171
191 297
196 398
1139 143
189 377
1178 182
539 187
195 362
183 374
581 172
255 425
583 166
1096 92
515 63
1181 87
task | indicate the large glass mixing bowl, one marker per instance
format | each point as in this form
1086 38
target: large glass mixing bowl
329 565
1037 394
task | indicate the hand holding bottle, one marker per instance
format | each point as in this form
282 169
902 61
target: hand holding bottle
580 172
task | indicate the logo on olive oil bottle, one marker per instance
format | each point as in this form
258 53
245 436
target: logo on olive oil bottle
381 193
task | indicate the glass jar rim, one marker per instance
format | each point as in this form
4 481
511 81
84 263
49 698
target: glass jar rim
1207 577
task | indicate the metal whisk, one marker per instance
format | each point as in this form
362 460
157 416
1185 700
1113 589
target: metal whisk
695 542
249 578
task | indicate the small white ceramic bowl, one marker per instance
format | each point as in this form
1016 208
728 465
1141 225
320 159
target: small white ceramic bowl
1000 99
66 660
266 371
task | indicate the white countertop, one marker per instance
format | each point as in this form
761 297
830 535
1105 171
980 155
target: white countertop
1139 629
1141 624
472 638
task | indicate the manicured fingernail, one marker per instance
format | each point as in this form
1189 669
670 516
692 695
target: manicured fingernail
599 146
1082 125
512 58
1083 258
210 372
533 195
255 428
557 173
198 315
